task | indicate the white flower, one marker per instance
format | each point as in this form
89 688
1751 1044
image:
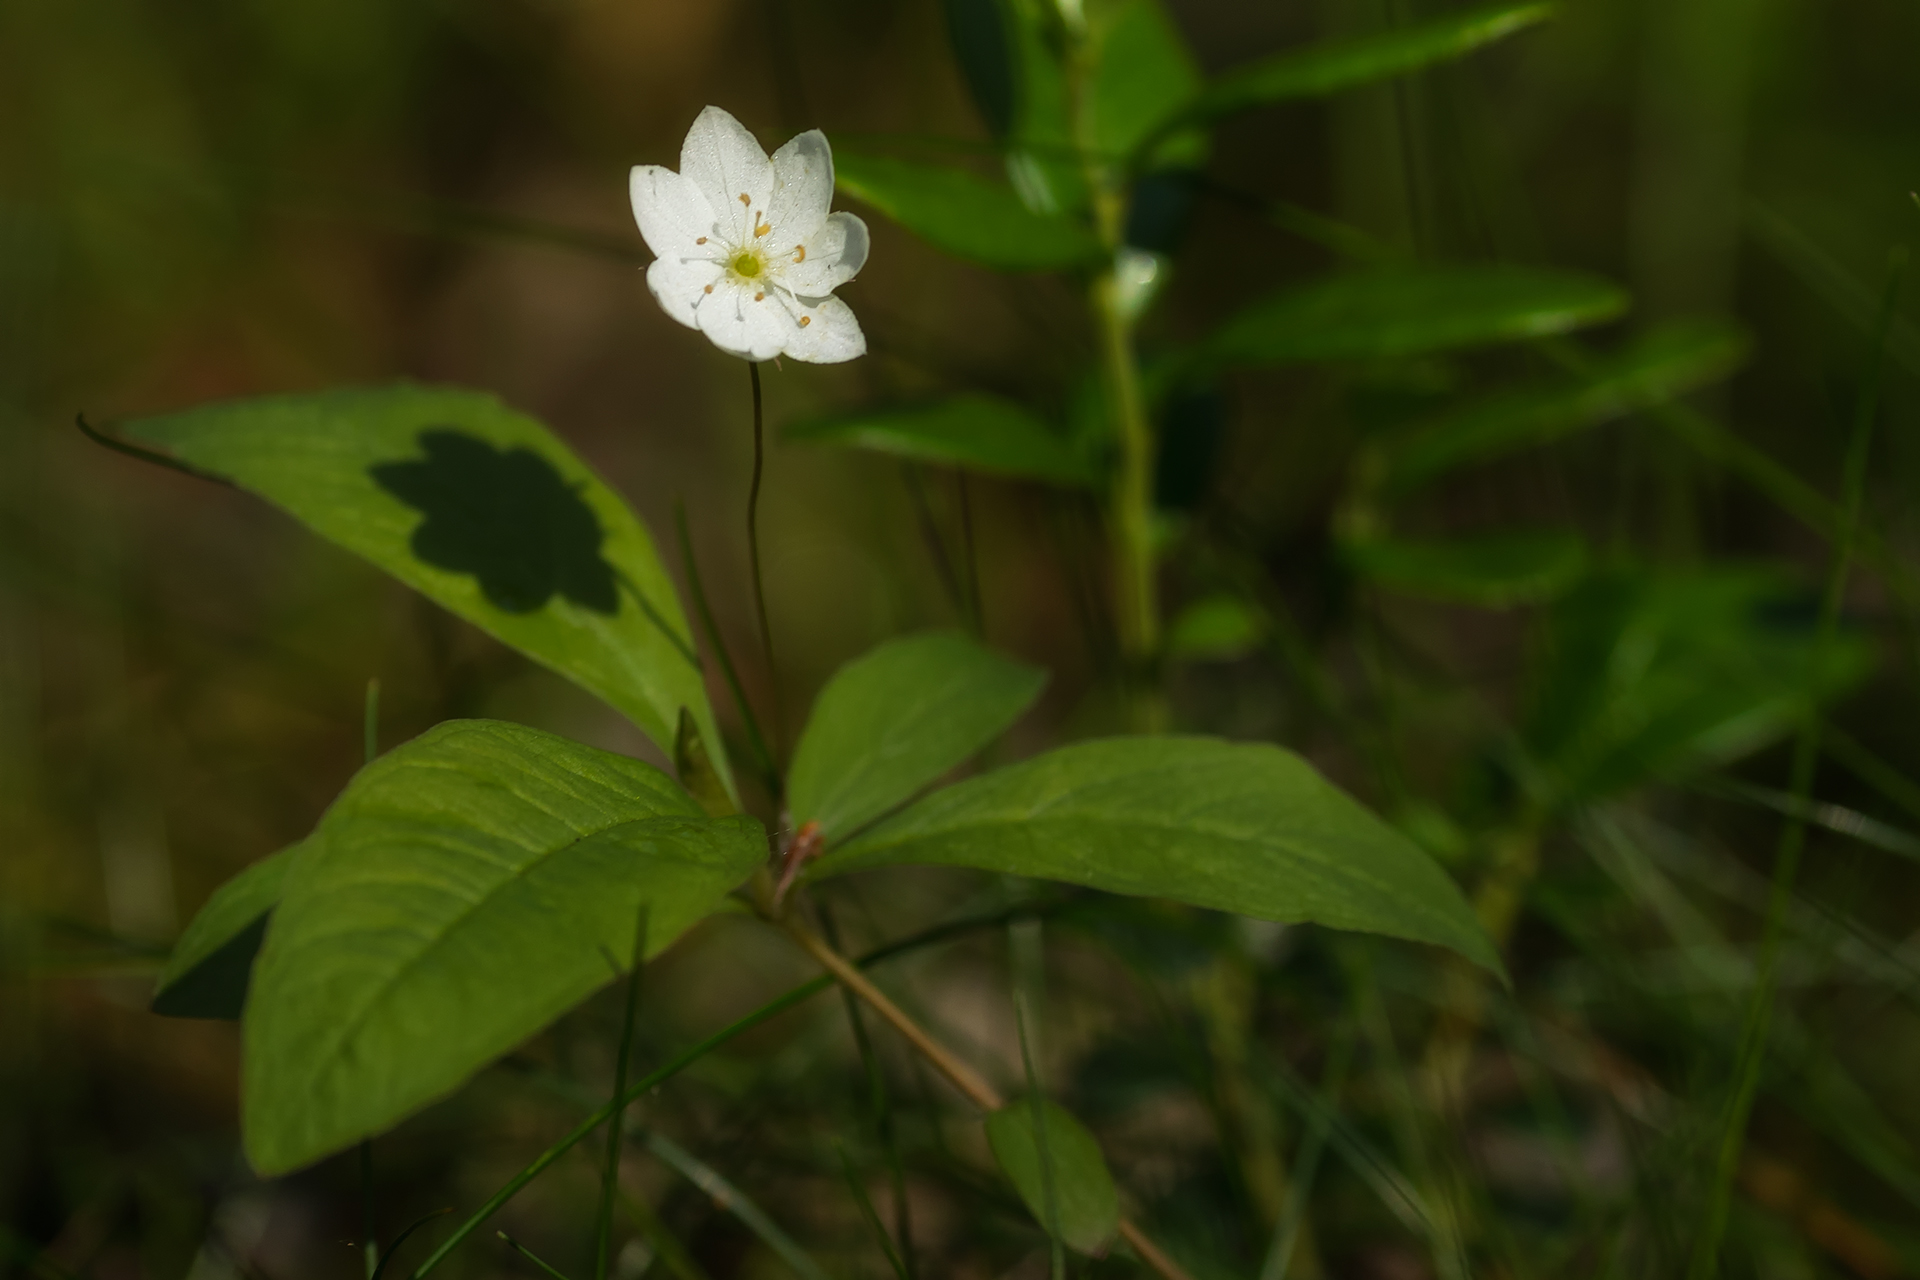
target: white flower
744 248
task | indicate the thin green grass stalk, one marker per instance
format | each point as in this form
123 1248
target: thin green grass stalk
871 1217
369 1243
1036 1107
1758 1022
667 1247
696 587
531 1256
734 1201
686 1058
610 1179
915 484
1306 1164
880 1112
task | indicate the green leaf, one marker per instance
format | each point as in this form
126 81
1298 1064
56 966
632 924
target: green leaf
975 432
1143 72
208 972
1661 364
1343 64
983 48
1240 827
1649 675
1083 1190
466 889
1043 158
965 215
481 509
1409 311
1217 628
895 720
1496 571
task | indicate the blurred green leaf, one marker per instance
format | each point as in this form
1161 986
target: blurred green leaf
1398 312
1217 628
1343 64
896 719
1495 571
1651 674
481 509
207 974
466 889
1240 827
1663 363
965 215
1087 1202
975 432
1043 158
1143 72
983 48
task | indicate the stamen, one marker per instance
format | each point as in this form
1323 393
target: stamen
760 297
701 240
805 321
763 228
708 289
746 199
800 254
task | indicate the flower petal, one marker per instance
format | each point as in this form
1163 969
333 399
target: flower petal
802 191
670 210
746 322
834 255
732 172
830 335
679 285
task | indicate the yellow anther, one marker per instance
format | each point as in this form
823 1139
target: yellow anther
800 254
746 199
763 228
805 321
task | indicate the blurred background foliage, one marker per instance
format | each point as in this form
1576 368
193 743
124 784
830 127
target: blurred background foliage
1551 606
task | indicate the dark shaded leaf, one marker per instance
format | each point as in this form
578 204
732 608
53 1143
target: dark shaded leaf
975 432
1496 571
211 965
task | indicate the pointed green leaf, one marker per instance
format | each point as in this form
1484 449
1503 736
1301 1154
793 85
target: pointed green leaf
965 215
974 432
1495 571
1087 1202
207 974
1043 157
1143 72
481 509
1408 311
1648 675
1661 364
466 889
893 721
1343 64
1240 827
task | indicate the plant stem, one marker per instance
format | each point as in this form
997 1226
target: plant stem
1758 1023
610 1185
753 560
763 757
963 1077
369 1245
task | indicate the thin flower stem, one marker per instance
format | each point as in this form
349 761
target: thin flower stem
1758 1023
972 557
369 1243
763 757
753 559
963 1077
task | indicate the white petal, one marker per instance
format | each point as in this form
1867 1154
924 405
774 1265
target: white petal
830 336
670 210
741 326
732 172
802 190
679 285
834 255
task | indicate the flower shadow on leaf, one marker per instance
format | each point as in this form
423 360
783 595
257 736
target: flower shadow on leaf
505 516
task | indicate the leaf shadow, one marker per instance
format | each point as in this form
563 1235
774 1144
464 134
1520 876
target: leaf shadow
505 516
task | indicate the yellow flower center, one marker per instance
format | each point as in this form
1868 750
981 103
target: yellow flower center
747 264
